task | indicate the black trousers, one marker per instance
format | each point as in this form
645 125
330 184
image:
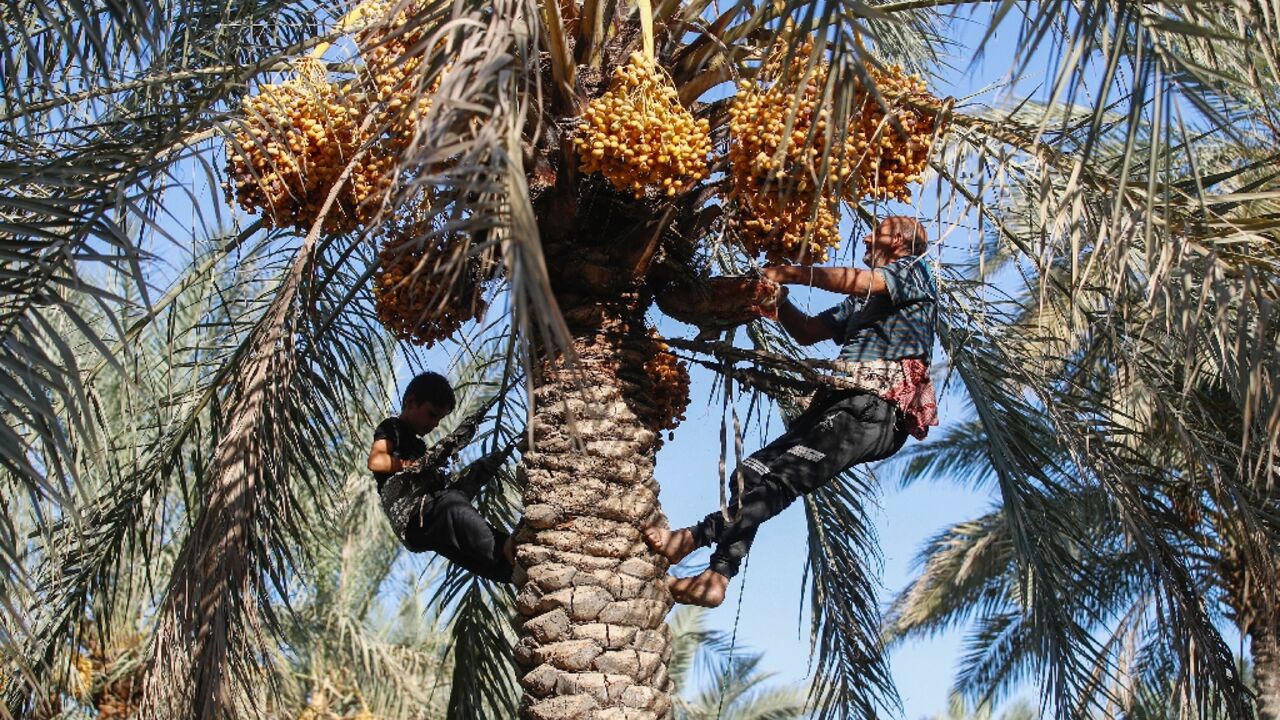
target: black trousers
451 526
445 522
839 430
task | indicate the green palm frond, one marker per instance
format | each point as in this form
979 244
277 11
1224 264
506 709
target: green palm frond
1126 417
478 612
851 677
964 570
340 639
744 695
732 686
161 435
693 647
275 450
958 709
90 141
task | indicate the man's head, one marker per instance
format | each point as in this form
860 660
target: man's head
427 399
895 237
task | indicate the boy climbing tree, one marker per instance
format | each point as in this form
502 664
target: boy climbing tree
886 328
430 510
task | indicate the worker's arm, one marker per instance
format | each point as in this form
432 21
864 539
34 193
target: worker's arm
381 460
805 329
482 471
847 281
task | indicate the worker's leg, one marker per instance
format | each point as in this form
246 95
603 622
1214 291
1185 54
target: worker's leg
754 467
481 472
455 529
855 429
674 545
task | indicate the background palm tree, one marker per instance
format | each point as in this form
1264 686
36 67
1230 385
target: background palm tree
957 710
109 127
732 685
968 578
1164 420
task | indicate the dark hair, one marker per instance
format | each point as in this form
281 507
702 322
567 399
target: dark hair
430 387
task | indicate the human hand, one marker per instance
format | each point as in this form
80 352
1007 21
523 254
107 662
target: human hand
492 462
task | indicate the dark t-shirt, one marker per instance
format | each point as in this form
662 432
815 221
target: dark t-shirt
402 443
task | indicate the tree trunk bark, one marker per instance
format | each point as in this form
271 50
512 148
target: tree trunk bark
1264 646
1250 608
592 597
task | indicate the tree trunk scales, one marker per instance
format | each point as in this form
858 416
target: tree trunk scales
592 597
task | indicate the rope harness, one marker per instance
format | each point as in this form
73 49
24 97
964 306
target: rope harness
775 375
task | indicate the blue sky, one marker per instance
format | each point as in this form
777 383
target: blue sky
774 619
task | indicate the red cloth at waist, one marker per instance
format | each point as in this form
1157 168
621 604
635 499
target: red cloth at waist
914 396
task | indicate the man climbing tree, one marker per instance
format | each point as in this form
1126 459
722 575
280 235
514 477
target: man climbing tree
429 510
886 327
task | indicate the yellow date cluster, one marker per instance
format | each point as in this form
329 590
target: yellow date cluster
422 293
298 136
640 137
787 180
111 682
889 151
295 142
392 45
669 381
784 206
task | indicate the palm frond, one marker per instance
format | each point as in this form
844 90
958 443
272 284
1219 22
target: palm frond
160 437
964 570
957 454
732 686
484 675
89 151
339 638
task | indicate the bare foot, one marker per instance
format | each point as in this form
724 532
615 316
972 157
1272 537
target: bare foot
706 589
673 545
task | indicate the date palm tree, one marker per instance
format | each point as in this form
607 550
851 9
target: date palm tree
113 121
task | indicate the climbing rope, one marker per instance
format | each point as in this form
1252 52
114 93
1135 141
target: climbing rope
729 407
733 638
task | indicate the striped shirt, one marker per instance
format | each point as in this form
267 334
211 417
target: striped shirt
890 326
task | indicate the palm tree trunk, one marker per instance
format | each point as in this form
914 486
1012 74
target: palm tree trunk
592 597
1250 608
1264 645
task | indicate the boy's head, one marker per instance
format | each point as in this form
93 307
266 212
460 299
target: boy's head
427 399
